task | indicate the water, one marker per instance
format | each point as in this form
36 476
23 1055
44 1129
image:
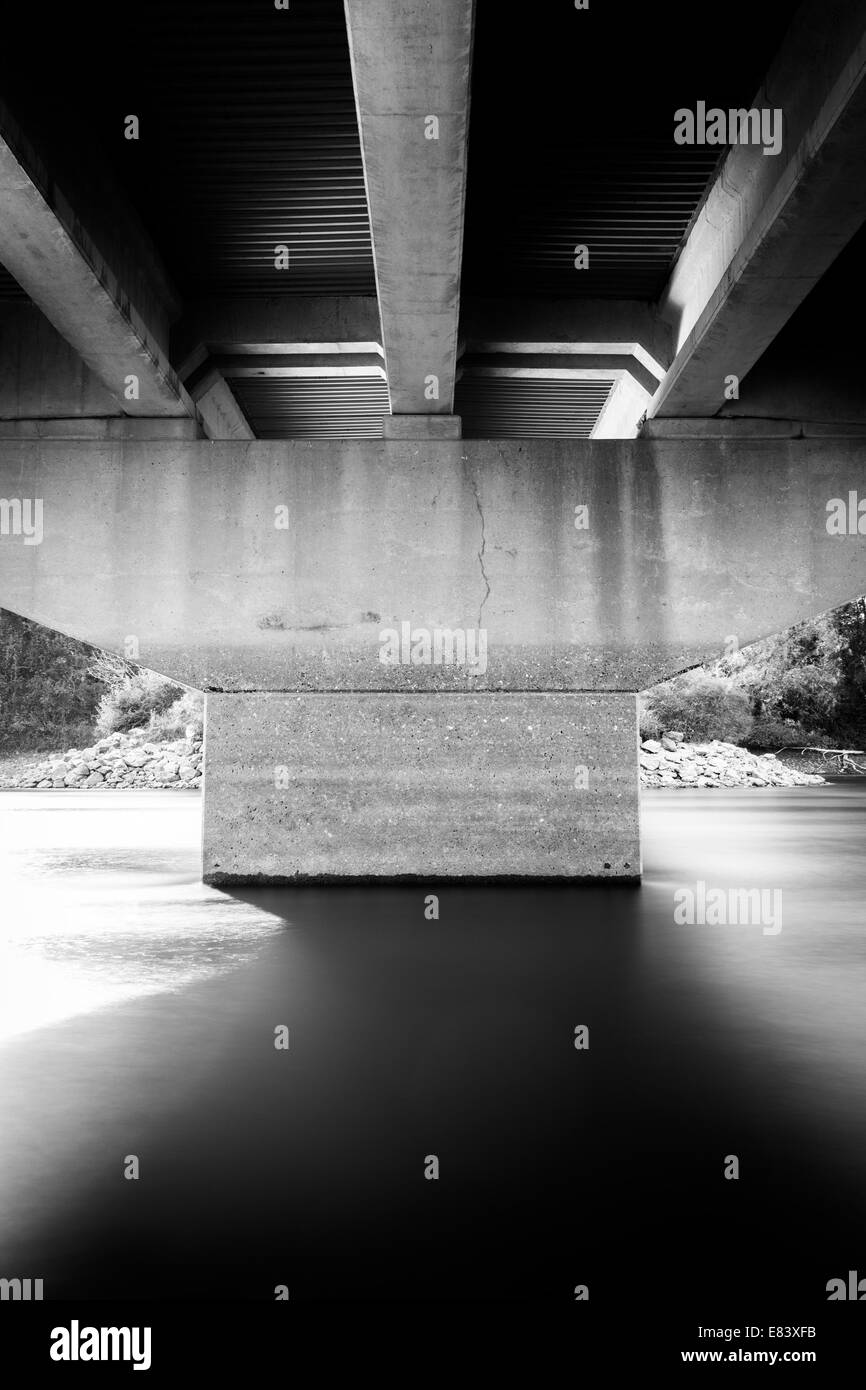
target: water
139 1017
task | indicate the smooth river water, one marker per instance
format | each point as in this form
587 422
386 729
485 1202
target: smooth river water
138 1016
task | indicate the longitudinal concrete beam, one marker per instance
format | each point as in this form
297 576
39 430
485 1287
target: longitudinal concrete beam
772 224
65 269
411 67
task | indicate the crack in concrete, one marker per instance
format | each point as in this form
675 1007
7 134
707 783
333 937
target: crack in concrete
481 551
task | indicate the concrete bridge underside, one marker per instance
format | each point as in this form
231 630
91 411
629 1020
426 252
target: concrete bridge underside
234 367
267 574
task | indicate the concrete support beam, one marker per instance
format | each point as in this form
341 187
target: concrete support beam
219 412
772 224
66 269
572 365
278 566
623 341
566 327
624 409
417 663
411 68
327 324
322 787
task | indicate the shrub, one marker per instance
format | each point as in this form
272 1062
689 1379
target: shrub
130 702
702 707
185 713
648 720
770 733
47 695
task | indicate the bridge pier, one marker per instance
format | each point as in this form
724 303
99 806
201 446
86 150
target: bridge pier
336 785
420 656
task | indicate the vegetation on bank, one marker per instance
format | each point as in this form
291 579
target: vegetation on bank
804 686
56 692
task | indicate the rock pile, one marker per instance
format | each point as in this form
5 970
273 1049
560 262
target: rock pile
120 760
672 762
127 760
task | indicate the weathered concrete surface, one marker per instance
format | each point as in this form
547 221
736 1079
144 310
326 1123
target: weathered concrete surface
772 225
420 786
410 66
102 428
689 542
423 427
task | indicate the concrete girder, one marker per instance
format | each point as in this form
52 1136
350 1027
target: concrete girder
411 69
772 224
568 326
68 270
282 324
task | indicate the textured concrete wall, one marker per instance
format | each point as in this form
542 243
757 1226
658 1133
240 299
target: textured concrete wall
423 786
688 543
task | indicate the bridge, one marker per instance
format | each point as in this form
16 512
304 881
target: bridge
421 382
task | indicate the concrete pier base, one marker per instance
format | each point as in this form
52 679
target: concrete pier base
381 785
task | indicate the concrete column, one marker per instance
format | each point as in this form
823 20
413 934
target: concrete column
425 786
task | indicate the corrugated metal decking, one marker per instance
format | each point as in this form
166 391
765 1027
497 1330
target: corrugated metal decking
521 408
313 407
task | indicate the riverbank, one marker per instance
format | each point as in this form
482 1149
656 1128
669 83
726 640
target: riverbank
127 761
671 762
132 761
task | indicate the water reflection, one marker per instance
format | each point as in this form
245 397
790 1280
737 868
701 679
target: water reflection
453 1037
102 903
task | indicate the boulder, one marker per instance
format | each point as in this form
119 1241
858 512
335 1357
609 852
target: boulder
137 758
